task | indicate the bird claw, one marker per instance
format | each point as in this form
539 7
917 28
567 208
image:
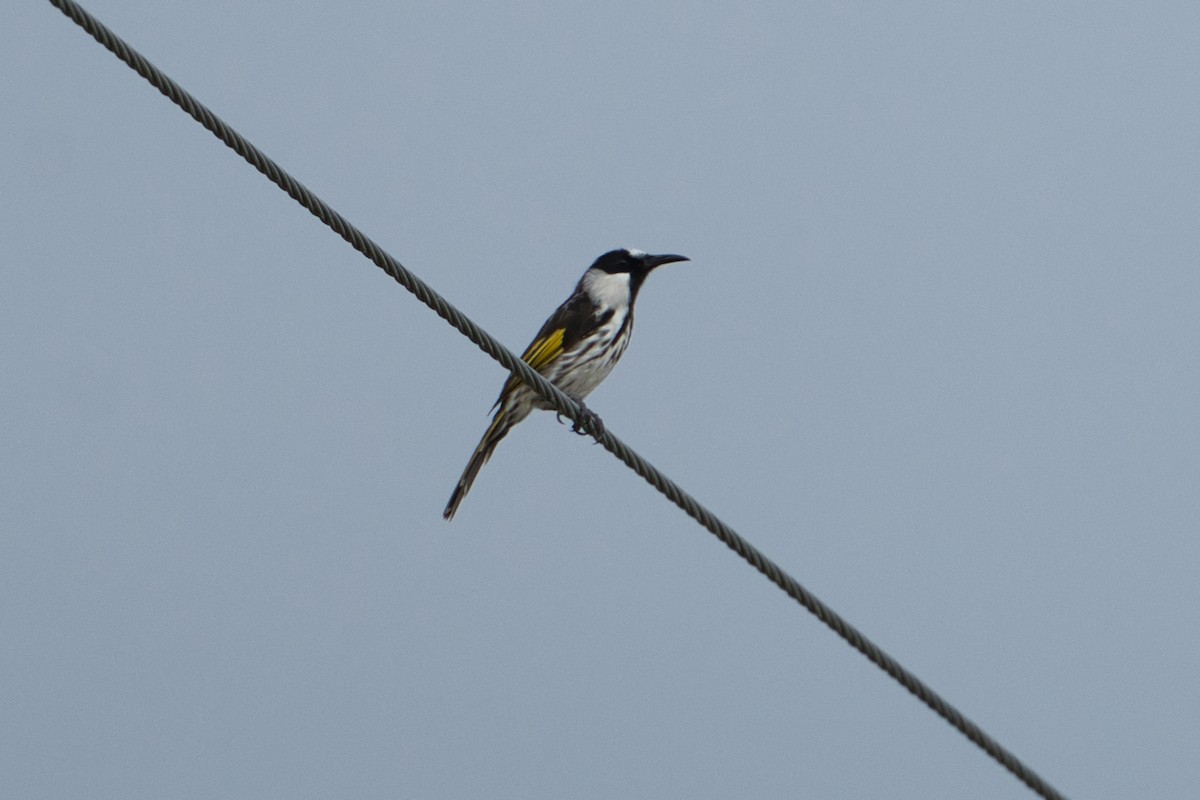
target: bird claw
588 424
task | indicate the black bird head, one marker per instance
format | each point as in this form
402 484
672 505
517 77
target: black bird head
634 262
627 260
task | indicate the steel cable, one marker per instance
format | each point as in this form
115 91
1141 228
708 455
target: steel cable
561 402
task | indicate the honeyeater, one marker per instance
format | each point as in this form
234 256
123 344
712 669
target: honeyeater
575 350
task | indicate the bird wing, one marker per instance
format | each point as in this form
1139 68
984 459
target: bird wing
570 322
544 349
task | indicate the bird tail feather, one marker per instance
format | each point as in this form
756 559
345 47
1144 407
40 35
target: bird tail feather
502 423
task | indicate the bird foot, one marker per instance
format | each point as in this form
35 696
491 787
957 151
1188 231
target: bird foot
588 424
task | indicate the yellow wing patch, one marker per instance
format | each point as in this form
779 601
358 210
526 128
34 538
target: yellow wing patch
545 350
537 355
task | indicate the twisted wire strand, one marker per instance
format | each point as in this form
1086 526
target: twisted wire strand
561 402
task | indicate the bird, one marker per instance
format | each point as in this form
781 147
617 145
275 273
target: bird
575 350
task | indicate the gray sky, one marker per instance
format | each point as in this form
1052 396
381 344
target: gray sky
935 354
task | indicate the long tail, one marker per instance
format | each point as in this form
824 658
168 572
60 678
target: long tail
502 423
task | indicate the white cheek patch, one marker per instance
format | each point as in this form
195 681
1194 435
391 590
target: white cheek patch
607 290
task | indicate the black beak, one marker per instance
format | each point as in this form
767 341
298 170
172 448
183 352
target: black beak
658 261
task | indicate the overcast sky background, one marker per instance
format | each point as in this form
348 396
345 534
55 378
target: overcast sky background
935 353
